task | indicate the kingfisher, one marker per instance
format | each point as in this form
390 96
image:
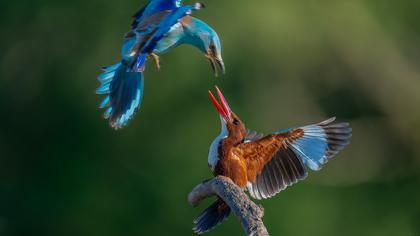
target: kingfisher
157 28
266 165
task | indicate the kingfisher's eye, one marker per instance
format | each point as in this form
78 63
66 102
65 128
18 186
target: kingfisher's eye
236 122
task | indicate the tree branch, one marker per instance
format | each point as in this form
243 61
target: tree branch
248 213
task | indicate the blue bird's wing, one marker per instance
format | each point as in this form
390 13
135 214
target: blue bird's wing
166 25
149 22
162 29
124 92
281 159
135 40
154 6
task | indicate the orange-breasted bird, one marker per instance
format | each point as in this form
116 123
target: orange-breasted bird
266 165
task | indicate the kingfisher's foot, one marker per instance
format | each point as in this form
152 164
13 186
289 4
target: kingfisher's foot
156 58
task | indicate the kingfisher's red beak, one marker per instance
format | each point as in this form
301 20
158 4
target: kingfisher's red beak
222 107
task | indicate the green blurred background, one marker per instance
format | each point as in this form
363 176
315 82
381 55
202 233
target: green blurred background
63 171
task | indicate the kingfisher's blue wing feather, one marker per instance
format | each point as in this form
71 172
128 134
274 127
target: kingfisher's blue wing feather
155 6
124 92
298 149
321 142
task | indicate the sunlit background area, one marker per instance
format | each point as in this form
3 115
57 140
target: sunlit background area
64 171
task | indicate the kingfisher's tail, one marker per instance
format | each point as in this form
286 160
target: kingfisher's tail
124 92
215 214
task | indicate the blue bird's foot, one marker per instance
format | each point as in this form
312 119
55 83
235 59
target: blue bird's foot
156 58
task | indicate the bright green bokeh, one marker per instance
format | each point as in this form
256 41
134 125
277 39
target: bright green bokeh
63 171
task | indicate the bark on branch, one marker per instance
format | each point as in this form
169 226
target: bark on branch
248 213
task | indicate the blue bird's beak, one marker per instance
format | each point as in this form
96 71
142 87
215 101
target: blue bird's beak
217 64
221 65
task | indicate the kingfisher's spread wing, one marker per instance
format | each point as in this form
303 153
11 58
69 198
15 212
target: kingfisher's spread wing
280 160
154 6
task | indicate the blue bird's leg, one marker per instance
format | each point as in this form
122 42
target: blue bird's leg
156 58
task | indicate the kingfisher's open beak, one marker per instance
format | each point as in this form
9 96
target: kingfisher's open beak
222 107
217 64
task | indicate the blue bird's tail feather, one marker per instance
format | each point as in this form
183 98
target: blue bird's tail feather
321 142
211 217
124 92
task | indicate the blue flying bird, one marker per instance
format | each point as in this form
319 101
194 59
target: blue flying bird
158 27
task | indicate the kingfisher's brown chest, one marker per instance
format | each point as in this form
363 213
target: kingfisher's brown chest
232 165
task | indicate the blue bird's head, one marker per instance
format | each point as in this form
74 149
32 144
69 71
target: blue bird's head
206 39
